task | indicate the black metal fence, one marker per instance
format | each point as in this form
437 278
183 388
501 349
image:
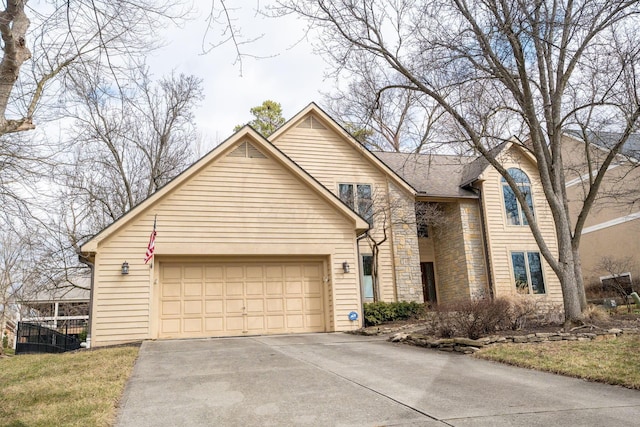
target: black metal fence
42 338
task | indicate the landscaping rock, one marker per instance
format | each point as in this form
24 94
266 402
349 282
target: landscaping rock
468 342
400 336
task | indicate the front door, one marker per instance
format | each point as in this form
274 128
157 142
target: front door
428 282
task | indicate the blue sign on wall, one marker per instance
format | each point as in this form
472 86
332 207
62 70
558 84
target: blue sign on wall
353 316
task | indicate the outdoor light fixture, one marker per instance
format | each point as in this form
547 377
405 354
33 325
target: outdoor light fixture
125 268
345 267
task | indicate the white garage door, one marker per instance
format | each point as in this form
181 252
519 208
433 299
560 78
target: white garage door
230 299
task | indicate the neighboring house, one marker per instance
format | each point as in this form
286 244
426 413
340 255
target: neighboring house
610 243
277 236
56 307
8 324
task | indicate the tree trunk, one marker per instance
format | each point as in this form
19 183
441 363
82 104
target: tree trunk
13 27
577 263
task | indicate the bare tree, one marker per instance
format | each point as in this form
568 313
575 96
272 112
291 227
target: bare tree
531 69
387 212
393 120
126 144
619 279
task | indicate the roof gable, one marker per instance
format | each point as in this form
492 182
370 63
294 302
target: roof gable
475 170
244 143
314 117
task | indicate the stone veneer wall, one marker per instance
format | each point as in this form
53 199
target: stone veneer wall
450 256
474 248
406 253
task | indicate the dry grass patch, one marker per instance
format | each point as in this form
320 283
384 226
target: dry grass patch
71 389
615 361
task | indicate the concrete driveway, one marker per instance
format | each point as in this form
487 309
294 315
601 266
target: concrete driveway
348 380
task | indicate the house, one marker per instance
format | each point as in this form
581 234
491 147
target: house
610 243
295 232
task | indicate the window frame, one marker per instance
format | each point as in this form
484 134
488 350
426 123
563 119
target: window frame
365 297
356 200
529 273
522 181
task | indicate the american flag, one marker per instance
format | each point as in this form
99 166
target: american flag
152 243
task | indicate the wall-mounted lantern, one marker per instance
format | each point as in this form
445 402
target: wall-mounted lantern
125 268
345 267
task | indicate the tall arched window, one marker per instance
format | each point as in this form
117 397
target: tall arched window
515 216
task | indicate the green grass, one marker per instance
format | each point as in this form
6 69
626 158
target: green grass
71 389
615 361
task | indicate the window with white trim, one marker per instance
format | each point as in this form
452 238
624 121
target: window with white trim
359 198
513 209
527 272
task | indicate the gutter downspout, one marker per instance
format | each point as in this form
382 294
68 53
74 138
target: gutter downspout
91 266
485 243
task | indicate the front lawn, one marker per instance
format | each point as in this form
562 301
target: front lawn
72 389
614 361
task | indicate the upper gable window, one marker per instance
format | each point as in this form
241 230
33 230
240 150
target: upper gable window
515 215
359 198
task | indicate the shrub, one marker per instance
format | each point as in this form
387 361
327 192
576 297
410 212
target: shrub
483 316
376 313
5 341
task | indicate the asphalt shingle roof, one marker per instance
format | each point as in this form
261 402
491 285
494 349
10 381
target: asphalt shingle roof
607 139
430 174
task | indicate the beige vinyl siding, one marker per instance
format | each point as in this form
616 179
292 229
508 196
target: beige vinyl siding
616 233
234 206
331 160
503 238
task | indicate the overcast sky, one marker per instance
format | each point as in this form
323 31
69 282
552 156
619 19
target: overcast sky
291 74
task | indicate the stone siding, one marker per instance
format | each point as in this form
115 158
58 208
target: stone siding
450 257
474 248
460 255
406 253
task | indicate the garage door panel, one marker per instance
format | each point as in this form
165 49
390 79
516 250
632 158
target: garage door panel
295 321
170 308
255 288
234 324
312 271
193 289
171 289
193 324
218 299
313 287
275 305
234 272
170 326
234 288
214 324
213 307
294 304
293 288
193 307
275 322
255 324
293 271
214 289
234 306
254 272
313 304
171 272
274 288
255 305
315 321
274 272
214 273
192 272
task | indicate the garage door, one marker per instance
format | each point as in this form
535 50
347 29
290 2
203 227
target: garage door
229 299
